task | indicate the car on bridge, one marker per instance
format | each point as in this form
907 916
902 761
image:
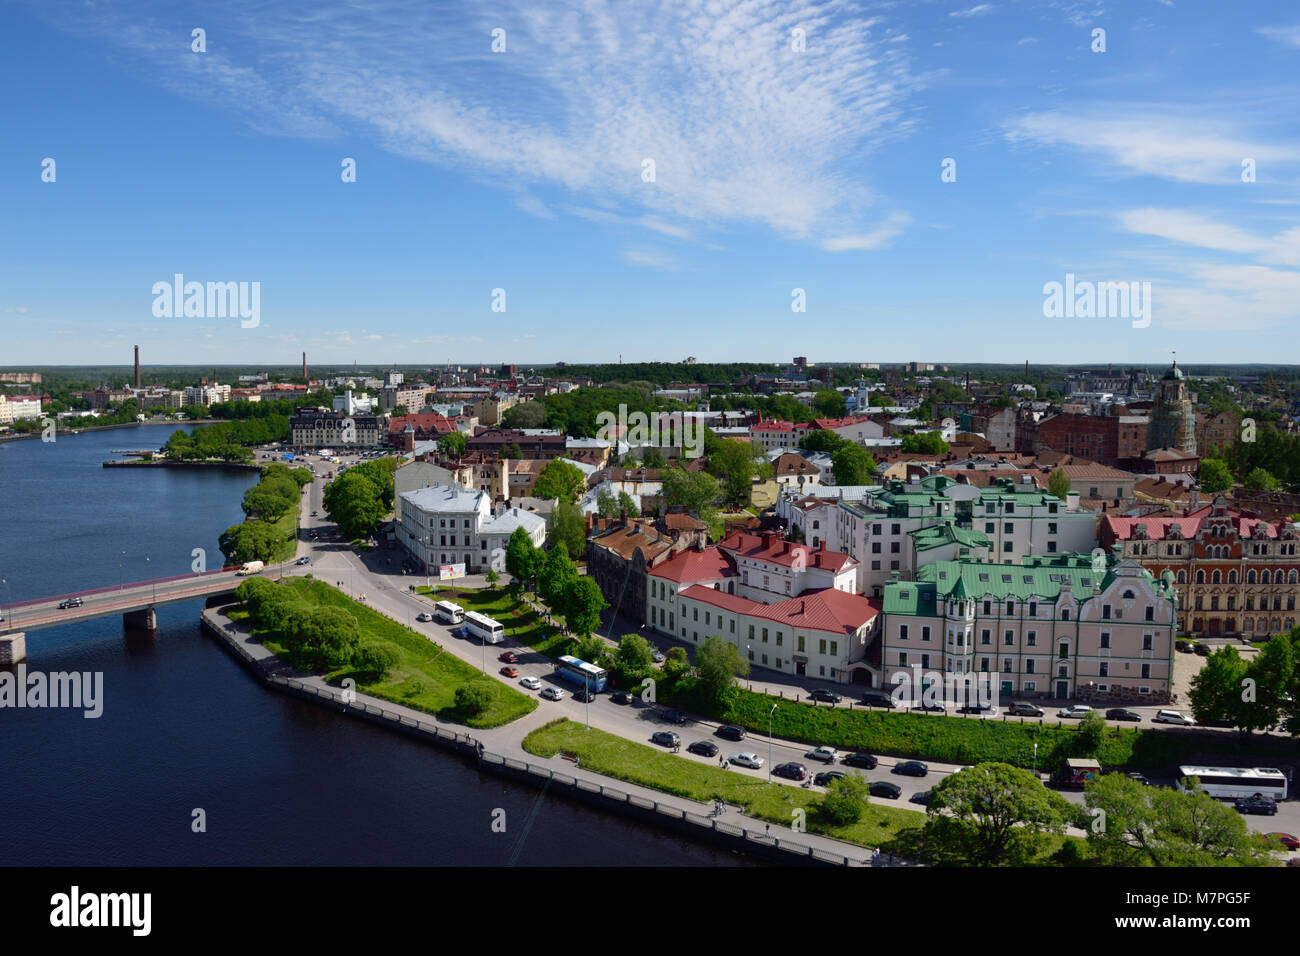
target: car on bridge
70 602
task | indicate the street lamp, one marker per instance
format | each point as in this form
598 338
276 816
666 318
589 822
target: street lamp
769 742
1035 758
149 570
10 593
119 569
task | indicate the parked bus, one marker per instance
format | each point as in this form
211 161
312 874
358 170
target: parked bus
449 613
1235 782
484 627
581 673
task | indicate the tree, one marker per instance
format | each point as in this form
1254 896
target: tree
525 415
829 404
718 664
378 657
473 699
452 445
607 505
583 603
853 465
1058 483
522 558
400 410
676 664
491 577
555 575
1214 475
1260 480
1140 825
1216 688
845 799
824 440
355 504
924 443
1274 672
1001 808
512 451
1092 731
250 541
559 479
569 527
735 464
267 505
633 657
693 490
654 458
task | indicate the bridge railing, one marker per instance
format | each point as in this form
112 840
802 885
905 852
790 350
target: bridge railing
129 584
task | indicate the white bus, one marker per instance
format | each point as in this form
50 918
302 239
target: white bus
449 613
1236 781
489 630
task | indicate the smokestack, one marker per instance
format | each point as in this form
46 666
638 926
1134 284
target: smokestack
137 366
304 367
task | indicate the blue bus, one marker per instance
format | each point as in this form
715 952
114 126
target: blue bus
582 674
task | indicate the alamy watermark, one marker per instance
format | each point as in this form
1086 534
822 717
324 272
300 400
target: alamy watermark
684 429
917 688
1098 300
214 300
71 689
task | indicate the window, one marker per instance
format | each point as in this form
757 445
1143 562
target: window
988 608
902 660
1006 667
1103 669
1063 650
1031 638
821 647
800 643
1011 608
990 527
1008 527
902 632
1006 546
1033 608
875 547
1009 638
1146 671
1105 638
1151 613
925 632
1029 666
1105 612
986 636
764 635
1065 614
1146 642
779 638
893 547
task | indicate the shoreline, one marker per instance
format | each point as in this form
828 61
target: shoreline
167 463
105 428
651 807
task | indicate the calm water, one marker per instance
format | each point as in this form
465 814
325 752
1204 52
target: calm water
281 781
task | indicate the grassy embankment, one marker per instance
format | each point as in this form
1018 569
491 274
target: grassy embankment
425 678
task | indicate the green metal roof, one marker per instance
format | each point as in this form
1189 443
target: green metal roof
946 532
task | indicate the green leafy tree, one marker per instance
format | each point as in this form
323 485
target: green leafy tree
491 577
559 479
625 503
525 415
735 465
583 603
473 699
1216 689
453 444
1001 808
1092 732
829 404
523 560
924 443
377 657
654 458
1260 480
556 575
1141 825
676 664
693 490
266 505
250 541
1214 475
633 657
607 505
718 664
569 527
845 800
824 440
853 465
513 452
1058 483
1273 672
355 504
594 650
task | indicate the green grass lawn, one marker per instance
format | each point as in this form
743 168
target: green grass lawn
425 678
958 739
651 767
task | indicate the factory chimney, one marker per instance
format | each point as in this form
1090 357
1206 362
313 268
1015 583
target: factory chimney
137 366
304 368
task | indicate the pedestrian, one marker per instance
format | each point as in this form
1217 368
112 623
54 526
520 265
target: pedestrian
767 830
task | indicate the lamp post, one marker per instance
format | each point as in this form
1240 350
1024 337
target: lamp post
149 570
10 593
119 570
770 713
1035 758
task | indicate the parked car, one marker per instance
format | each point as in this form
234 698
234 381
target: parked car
1258 803
553 693
303 560
983 710
790 771
672 716
1173 717
730 732
866 761
509 671
621 697
426 616
879 700
825 696
70 602
657 655
1203 650
1025 710
313 514
923 797
665 738
508 657
912 768
705 748
1184 646
583 696
747 759
1119 713
1287 840
824 754
827 777
532 683
936 708
883 788
1077 710
1140 778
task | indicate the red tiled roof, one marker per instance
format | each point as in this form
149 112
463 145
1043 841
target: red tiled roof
773 550
430 422
826 610
772 426
691 565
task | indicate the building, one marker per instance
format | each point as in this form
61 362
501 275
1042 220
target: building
426 427
350 403
792 470
622 551
533 442
1218 431
785 606
314 428
447 524
1095 437
1065 626
19 407
1173 423
1236 574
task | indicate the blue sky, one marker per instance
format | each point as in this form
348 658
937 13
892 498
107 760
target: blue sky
775 169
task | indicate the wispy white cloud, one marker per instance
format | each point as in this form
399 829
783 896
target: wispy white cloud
652 259
976 11
1287 35
878 238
